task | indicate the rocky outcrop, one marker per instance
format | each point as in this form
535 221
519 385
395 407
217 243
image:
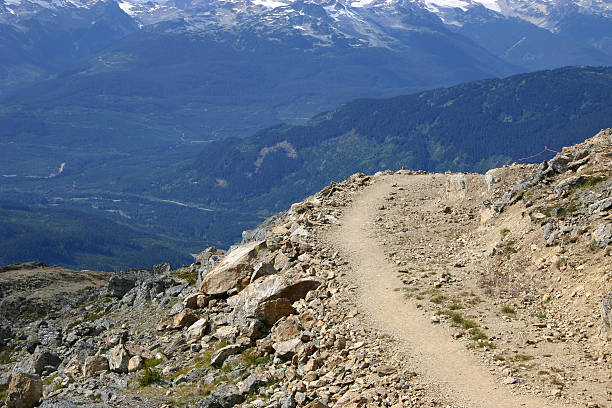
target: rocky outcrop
95 365
261 298
234 271
24 391
118 359
123 281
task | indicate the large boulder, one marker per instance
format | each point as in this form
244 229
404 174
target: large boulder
136 363
94 365
219 356
234 271
184 319
24 391
225 397
253 300
123 281
45 360
270 311
198 329
118 359
603 234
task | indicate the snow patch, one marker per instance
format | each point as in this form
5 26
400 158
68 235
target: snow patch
436 5
361 3
463 5
269 3
490 4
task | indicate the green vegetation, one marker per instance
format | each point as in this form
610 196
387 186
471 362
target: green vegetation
149 376
80 239
438 299
588 182
152 362
508 310
187 274
6 355
250 358
478 335
523 357
541 314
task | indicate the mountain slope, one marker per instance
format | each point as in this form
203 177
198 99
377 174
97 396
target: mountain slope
470 127
40 40
202 194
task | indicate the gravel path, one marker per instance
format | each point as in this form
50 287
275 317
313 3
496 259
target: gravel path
428 348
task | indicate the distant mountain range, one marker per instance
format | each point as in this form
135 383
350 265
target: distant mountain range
212 69
166 204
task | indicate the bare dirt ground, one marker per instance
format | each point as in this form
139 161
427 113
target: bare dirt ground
419 255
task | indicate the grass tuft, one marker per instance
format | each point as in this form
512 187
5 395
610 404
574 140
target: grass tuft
149 376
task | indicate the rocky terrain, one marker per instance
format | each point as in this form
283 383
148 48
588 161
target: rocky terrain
397 289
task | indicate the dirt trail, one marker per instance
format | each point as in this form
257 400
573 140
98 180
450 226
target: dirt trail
428 347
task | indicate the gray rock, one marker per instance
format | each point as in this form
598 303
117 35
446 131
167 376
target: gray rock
225 397
548 229
118 359
24 391
601 205
219 357
69 402
44 358
567 184
252 383
191 376
287 401
6 334
49 334
603 234
263 269
175 290
162 269
577 163
123 281
176 309
118 286
491 180
559 163
543 171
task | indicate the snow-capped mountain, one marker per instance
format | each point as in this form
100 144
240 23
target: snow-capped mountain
543 13
425 42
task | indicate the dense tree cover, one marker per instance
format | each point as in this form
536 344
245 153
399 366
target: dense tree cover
470 127
78 239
